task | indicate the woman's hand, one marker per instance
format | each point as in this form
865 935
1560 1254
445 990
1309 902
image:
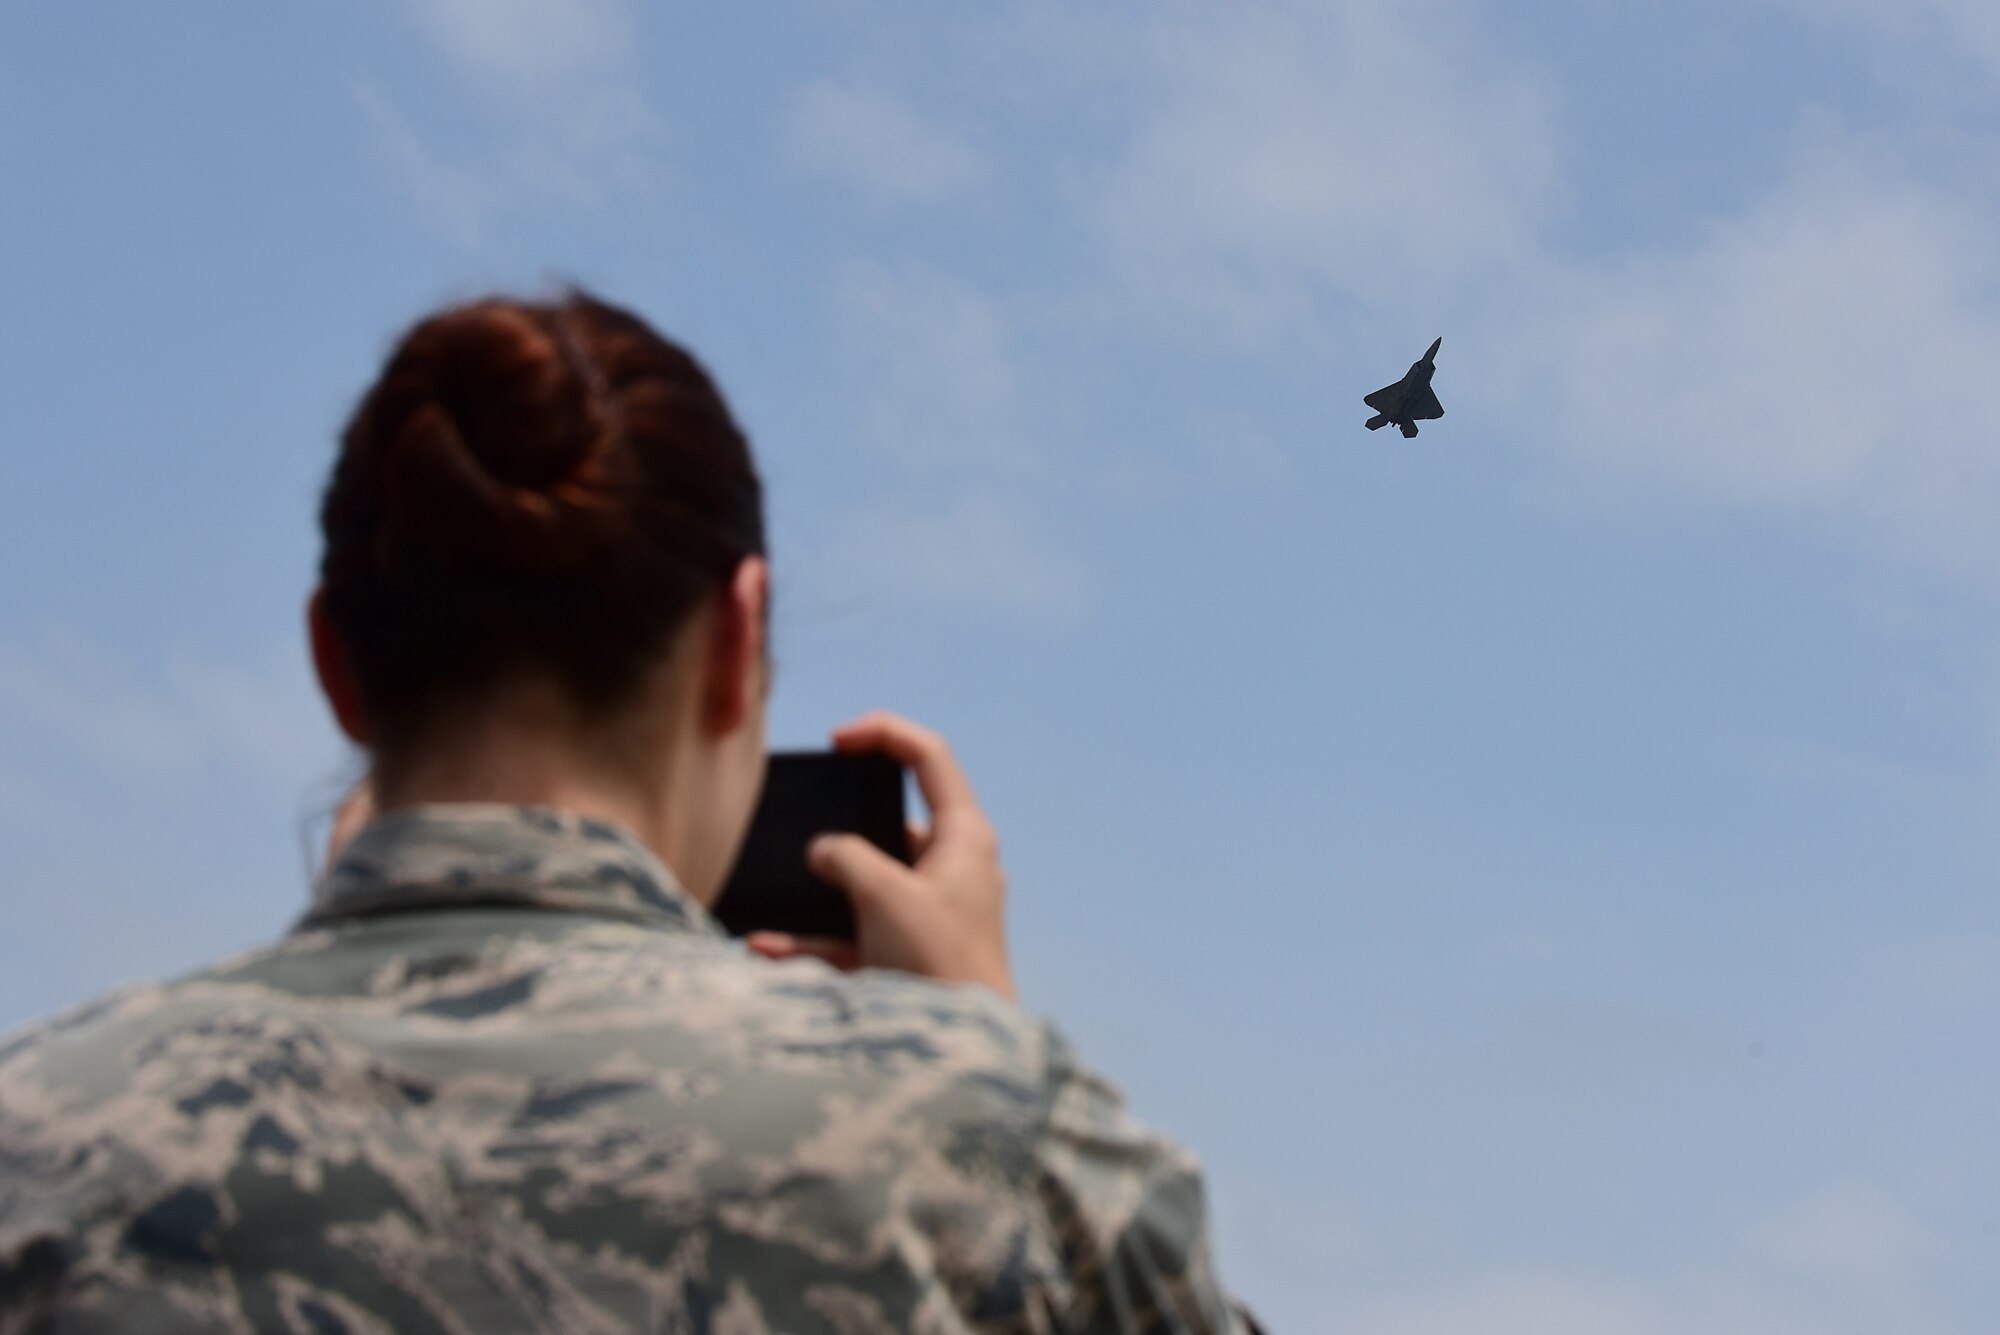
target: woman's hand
942 918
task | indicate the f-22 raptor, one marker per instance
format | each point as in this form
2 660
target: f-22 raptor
1410 400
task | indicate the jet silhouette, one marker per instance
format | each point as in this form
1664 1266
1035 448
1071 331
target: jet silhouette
1410 400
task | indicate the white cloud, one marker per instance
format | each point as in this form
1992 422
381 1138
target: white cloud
977 547
192 718
1289 169
456 200
1514 1302
1846 1261
523 44
1238 452
1850 1231
560 93
1941 30
265 717
878 145
1819 352
1286 155
943 398
152 811
943 386
1524 948
1942 982
1533 1301
69 690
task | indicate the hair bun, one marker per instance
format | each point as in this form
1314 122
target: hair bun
539 490
496 443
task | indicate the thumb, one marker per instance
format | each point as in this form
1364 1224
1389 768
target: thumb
853 864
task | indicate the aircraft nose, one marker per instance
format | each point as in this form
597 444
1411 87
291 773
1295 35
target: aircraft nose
1431 356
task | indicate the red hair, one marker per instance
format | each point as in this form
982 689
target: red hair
529 489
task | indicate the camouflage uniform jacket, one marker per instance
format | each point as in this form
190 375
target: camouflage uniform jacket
508 1075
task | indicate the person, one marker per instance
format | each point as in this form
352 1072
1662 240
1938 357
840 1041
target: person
507 1072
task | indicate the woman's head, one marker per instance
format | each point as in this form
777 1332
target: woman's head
545 532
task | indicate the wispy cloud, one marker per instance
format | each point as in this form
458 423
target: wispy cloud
68 691
156 811
520 45
1937 32
1846 1260
941 399
1291 170
940 370
1283 156
976 546
879 145
187 717
1238 452
1816 353
556 85
454 199
1948 982
1851 1231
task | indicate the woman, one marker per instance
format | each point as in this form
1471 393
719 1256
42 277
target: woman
508 1073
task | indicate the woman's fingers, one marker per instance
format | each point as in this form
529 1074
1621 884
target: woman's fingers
943 917
852 864
784 946
955 815
939 779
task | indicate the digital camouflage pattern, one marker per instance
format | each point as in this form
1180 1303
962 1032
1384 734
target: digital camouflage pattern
507 1075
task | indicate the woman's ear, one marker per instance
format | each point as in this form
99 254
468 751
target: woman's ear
736 666
336 674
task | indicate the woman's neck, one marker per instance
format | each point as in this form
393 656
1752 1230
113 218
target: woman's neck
526 756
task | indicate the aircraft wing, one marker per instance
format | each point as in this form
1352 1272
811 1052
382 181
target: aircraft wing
1384 399
1426 406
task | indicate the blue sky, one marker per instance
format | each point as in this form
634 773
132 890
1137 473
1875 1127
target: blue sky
1544 868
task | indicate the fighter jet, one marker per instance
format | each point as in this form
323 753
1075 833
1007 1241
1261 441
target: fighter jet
1410 400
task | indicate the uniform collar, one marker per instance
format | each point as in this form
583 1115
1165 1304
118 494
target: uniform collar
487 855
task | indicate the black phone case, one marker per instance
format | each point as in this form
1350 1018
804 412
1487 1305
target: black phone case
808 793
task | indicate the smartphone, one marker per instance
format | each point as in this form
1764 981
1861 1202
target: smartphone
809 793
